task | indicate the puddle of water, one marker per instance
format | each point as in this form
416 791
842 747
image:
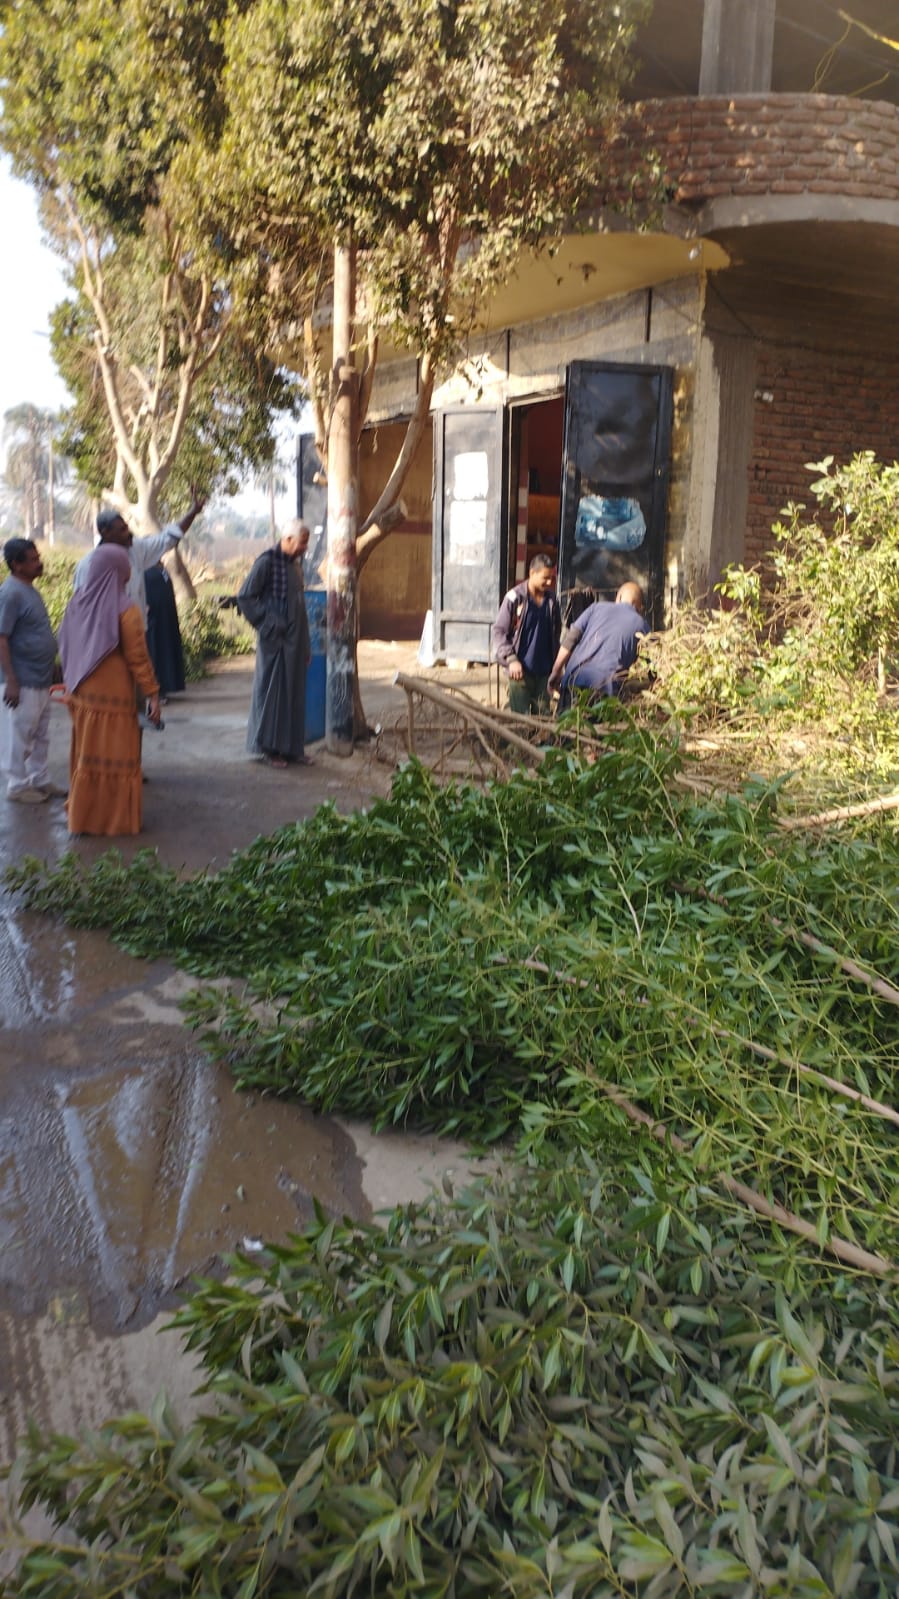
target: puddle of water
48 974
123 1184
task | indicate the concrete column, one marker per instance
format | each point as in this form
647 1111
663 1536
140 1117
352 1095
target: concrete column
737 46
723 412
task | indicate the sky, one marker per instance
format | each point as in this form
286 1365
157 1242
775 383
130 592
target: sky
31 284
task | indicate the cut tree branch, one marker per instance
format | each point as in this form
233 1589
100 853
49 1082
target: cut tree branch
376 525
842 813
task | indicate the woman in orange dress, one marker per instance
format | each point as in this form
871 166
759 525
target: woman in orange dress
103 650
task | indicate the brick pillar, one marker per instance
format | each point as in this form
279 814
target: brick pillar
723 411
737 46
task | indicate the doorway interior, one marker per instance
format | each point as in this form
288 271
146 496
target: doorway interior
535 484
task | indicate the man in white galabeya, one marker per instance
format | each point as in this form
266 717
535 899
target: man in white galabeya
143 553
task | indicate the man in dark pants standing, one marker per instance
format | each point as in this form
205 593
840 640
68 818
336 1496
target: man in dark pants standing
164 631
526 636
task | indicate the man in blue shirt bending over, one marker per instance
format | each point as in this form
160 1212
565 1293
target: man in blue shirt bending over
597 650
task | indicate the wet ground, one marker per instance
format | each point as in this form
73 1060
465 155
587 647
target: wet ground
128 1162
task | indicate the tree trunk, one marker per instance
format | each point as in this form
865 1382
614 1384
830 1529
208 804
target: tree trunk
181 578
343 501
37 521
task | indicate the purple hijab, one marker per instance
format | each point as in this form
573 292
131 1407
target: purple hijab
90 627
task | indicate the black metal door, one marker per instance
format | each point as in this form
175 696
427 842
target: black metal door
468 523
615 482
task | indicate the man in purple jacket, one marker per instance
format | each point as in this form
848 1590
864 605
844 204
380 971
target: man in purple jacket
526 636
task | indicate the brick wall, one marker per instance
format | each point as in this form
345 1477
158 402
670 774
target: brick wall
819 405
776 144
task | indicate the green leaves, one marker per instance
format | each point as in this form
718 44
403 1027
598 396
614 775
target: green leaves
413 127
802 669
605 1376
514 1449
671 968
104 104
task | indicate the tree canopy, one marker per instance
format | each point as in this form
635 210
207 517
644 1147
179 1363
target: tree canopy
442 138
98 99
419 126
199 159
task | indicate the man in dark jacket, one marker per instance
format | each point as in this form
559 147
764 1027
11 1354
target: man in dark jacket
526 637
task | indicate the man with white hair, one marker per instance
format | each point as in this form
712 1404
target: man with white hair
273 601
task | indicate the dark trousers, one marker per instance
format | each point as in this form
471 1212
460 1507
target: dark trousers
530 696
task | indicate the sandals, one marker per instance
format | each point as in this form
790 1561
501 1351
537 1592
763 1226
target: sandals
280 764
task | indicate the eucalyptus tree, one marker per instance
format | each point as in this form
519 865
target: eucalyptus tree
98 98
28 434
420 143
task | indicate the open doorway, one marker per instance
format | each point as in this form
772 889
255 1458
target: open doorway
535 489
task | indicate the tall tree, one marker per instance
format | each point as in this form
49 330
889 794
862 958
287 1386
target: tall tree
28 433
98 98
272 479
422 144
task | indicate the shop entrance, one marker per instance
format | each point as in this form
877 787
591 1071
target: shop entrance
580 477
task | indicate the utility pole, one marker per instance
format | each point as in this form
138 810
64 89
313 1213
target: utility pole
51 511
343 509
737 46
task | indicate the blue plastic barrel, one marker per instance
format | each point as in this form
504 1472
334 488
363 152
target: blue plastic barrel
317 670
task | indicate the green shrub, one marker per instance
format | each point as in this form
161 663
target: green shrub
815 653
56 585
207 634
708 662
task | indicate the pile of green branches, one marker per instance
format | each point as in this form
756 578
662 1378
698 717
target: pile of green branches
553 960
575 1382
667 1368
